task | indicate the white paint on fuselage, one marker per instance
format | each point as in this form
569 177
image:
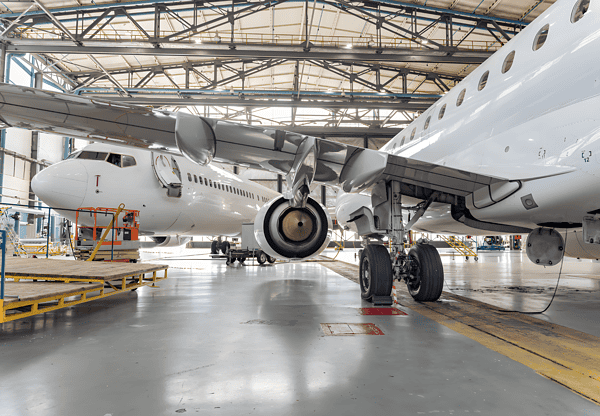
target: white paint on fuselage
201 209
533 123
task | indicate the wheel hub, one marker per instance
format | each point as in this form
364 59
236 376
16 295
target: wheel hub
366 277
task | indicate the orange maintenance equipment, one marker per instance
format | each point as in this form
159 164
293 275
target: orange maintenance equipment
111 230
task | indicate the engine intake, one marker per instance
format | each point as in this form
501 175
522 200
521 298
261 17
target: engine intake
284 231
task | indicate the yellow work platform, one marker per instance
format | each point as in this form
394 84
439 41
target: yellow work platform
36 286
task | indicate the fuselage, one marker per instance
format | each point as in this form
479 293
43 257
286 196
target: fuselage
211 202
530 113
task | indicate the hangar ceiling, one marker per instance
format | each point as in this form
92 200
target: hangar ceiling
330 68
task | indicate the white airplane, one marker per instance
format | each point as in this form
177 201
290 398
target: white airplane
512 149
176 198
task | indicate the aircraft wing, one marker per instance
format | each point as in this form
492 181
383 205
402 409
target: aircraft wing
202 139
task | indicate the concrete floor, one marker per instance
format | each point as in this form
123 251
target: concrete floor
220 340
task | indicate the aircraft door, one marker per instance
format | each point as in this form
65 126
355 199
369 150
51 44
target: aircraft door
168 174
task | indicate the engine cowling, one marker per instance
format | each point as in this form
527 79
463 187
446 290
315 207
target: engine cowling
170 240
286 232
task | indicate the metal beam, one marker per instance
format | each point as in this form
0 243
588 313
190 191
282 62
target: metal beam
248 51
235 101
388 8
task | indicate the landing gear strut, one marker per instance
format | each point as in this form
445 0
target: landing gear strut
421 268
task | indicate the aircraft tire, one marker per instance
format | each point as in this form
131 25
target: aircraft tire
225 247
375 276
271 259
242 259
261 257
429 275
214 247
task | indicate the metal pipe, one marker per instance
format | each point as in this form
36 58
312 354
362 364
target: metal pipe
48 234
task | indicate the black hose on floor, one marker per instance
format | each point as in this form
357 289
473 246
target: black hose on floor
553 295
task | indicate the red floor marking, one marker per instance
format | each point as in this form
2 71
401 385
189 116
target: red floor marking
380 311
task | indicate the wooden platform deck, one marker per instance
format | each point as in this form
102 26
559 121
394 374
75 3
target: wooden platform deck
71 270
44 285
28 291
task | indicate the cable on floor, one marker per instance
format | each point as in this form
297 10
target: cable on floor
553 295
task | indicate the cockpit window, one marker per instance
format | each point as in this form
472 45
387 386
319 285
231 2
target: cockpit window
127 161
74 155
86 154
114 159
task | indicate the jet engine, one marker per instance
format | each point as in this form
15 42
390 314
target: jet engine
283 231
170 240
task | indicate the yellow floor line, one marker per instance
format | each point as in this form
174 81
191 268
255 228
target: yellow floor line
564 355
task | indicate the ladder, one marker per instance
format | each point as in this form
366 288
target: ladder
10 233
459 246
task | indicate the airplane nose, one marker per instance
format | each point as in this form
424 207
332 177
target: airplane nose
62 185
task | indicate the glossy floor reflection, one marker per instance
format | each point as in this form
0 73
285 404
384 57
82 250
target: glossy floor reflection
247 340
508 279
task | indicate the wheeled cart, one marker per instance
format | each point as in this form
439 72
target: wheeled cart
248 249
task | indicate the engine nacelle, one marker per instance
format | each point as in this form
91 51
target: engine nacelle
170 240
545 247
286 232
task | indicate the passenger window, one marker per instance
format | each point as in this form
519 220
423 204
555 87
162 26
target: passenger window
412 135
541 37
402 142
210 183
92 155
114 159
483 80
508 62
442 112
195 179
461 97
579 10
205 181
427 123
127 161
189 177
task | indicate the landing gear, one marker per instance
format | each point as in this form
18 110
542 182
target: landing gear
218 245
376 276
421 268
225 247
426 278
271 259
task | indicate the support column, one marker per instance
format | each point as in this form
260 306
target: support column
2 61
38 82
279 183
3 131
324 195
